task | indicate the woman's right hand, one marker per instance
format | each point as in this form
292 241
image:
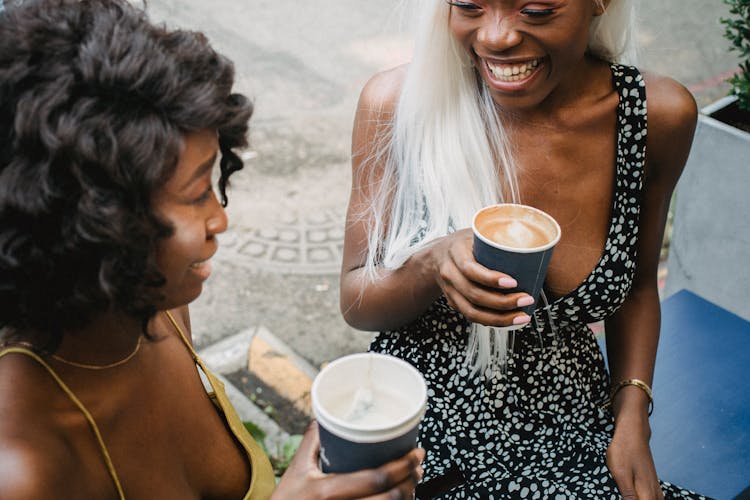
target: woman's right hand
472 289
304 480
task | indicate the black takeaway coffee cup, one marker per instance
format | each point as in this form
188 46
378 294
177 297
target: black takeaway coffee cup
368 408
517 240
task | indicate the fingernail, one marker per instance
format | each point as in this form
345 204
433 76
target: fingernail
522 319
507 282
525 301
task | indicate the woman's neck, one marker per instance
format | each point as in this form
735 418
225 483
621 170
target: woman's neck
107 339
585 85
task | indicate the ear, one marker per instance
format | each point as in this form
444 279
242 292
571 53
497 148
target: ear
600 6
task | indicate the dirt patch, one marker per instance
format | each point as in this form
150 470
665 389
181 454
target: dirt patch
281 410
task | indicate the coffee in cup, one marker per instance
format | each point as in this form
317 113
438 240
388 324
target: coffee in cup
516 226
517 240
368 408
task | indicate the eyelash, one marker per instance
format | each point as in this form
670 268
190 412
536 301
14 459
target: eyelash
203 198
527 12
464 5
537 12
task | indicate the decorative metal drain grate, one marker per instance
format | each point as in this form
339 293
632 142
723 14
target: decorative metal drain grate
297 243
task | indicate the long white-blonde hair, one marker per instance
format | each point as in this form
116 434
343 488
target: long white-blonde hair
447 153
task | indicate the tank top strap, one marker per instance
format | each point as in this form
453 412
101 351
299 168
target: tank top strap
184 339
262 480
77 402
632 123
632 129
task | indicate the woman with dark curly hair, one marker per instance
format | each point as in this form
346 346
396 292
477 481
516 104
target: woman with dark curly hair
109 131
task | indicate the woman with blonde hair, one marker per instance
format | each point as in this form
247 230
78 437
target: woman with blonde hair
531 102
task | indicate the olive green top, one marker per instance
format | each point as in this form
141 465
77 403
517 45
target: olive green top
262 480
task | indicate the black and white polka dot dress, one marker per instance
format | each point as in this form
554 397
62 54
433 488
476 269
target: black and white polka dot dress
536 430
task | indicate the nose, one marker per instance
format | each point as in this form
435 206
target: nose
499 33
217 221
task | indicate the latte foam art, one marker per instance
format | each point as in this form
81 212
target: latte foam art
516 234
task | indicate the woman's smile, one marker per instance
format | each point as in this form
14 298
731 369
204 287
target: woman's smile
510 72
510 76
202 269
524 51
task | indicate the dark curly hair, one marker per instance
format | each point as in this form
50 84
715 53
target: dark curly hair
94 104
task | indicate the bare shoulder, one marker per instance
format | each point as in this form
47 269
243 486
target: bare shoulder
34 457
39 458
381 92
29 473
670 104
672 116
373 120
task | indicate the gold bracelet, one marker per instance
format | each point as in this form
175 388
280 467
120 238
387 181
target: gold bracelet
636 382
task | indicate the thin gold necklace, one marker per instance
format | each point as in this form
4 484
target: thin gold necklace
92 367
101 367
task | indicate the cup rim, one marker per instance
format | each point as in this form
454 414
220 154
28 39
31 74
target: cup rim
378 436
507 248
375 432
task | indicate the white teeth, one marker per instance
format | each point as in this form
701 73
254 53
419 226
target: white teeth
196 265
513 72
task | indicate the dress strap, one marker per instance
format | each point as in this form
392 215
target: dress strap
632 126
81 407
632 130
185 341
197 359
262 480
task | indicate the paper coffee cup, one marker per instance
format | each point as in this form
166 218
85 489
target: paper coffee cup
368 407
516 240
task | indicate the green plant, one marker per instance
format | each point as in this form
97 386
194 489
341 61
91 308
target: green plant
283 458
257 433
737 31
280 458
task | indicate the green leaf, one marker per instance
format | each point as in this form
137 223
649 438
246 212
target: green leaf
257 433
737 31
291 446
286 454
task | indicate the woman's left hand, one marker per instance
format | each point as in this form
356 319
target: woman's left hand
630 461
304 480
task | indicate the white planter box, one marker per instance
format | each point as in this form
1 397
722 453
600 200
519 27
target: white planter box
710 248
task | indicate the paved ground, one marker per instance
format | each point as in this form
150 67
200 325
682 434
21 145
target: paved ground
304 63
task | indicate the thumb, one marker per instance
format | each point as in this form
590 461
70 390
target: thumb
627 490
309 447
625 483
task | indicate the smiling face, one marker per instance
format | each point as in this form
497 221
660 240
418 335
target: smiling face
524 50
187 202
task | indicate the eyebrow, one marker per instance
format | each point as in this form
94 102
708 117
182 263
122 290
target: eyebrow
201 170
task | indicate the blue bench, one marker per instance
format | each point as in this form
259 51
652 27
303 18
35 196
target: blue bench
701 420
